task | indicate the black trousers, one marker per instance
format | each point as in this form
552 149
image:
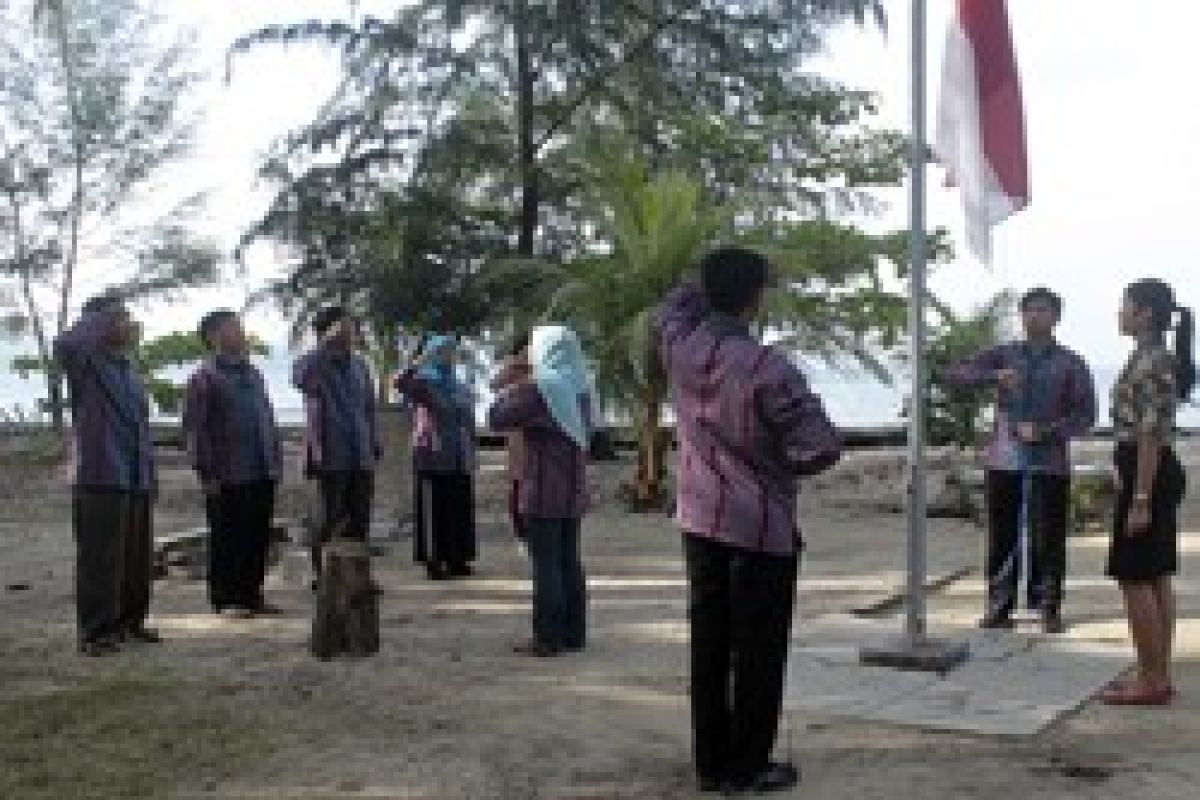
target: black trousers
239 524
445 521
559 583
346 509
112 561
740 612
1048 505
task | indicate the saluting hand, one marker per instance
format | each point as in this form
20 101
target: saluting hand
1008 378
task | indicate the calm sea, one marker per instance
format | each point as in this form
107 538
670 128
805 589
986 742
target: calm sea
854 401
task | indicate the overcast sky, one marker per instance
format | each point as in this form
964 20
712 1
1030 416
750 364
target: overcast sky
1112 118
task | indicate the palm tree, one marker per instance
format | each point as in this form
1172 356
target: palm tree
654 230
832 303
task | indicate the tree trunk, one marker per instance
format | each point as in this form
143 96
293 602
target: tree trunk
649 491
526 148
49 366
347 615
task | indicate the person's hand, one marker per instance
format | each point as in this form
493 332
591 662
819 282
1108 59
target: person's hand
1027 432
1137 521
1008 378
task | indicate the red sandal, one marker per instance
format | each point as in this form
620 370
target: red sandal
1129 695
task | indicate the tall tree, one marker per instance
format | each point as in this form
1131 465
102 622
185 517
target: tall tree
495 105
91 107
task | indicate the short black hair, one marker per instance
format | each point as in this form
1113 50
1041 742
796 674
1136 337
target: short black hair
327 317
733 278
108 301
210 322
1040 294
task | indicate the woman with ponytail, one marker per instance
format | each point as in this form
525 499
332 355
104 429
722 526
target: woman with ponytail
1144 552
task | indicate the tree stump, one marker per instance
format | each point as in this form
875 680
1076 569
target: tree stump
347 615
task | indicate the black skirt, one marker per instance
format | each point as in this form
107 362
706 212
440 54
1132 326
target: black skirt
1153 553
444 508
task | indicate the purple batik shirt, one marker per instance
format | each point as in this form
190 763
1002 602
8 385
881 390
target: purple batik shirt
443 427
340 432
1055 394
229 424
553 467
109 406
748 428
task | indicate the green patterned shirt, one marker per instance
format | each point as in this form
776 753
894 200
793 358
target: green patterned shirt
1144 397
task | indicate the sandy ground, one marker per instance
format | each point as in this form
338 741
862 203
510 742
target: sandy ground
238 709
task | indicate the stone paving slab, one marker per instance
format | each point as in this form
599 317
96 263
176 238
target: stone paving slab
1013 684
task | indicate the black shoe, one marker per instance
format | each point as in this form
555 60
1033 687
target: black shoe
141 634
707 785
436 572
775 777
537 649
460 571
1052 622
994 622
98 648
264 609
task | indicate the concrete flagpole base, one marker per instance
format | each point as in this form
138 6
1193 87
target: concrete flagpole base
923 655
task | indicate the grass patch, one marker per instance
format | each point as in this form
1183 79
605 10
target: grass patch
119 731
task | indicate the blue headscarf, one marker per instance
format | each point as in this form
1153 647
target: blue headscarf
562 377
439 374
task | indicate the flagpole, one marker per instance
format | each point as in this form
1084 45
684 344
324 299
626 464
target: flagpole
916 651
914 623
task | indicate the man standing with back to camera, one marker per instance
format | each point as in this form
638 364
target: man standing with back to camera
748 428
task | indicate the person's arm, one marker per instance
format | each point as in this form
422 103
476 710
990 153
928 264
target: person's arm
372 417
305 375
519 407
197 429
88 337
794 414
1156 402
1079 415
512 370
679 314
985 368
416 388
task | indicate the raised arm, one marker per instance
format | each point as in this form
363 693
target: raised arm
89 336
519 407
682 311
980 369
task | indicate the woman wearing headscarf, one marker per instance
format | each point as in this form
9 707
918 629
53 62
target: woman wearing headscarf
1144 551
443 460
549 405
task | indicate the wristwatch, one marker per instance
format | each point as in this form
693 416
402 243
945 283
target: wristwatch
1142 497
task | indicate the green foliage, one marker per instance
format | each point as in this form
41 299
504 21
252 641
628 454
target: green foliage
462 130
92 105
1091 500
953 413
172 350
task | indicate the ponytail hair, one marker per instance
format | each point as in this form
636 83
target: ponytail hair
1158 297
1185 360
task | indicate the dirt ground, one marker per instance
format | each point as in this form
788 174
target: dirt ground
238 709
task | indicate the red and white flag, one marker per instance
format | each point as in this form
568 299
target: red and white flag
980 136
